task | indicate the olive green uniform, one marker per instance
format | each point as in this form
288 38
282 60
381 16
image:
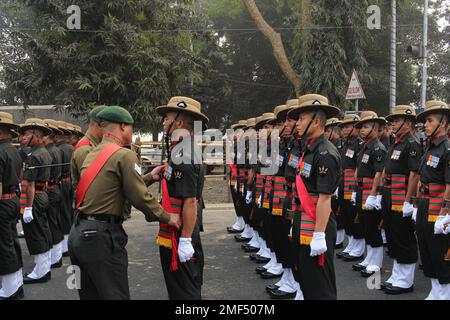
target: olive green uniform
97 240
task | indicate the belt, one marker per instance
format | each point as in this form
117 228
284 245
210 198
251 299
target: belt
290 214
109 218
65 179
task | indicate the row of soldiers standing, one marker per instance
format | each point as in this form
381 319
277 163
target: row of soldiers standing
340 178
35 182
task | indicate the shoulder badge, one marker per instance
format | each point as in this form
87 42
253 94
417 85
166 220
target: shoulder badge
323 170
178 174
413 153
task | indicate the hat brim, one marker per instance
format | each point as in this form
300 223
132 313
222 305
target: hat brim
343 123
393 116
45 130
237 126
330 111
282 115
334 124
162 110
359 124
9 126
421 116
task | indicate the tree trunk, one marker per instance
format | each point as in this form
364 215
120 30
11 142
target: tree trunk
277 45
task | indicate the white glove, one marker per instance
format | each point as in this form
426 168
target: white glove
407 209
28 215
236 186
378 203
318 244
185 249
447 230
371 202
259 201
248 197
353 199
439 224
414 214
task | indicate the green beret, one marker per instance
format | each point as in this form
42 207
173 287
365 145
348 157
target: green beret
93 115
115 114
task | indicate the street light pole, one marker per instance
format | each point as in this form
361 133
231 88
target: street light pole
423 95
393 69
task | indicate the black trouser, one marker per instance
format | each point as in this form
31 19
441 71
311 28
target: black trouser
234 197
400 234
66 207
337 213
10 251
348 213
186 282
98 249
267 229
54 215
37 232
281 242
317 282
432 247
372 233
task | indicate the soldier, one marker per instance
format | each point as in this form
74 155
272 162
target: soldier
181 252
316 180
262 205
284 195
54 194
109 175
35 200
10 252
347 195
92 138
239 225
432 215
385 133
65 183
400 185
333 133
368 201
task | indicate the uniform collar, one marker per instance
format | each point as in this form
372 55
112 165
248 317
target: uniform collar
314 143
402 137
91 138
109 138
370 142
39 146
438 140
61 142
5 141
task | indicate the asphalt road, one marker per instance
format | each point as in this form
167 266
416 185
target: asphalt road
229 273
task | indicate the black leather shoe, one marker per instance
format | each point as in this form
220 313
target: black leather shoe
262 260
28 280
272 287
253 256
270 275
358 267
278 294
385 285
18 295
251 249
260 269
21 235
231 230
240 238
246 246
66 254
367 274
57 264
349 258
398 290
341 254
420 266
339 246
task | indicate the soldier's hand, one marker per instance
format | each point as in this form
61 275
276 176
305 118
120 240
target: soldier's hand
318 244
28 215
185 249
156 173
175 221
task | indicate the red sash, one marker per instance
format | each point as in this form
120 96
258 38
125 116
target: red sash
83 142
167 234
93 170
307 205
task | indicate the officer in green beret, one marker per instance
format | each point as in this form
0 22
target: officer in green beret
110 174
90 140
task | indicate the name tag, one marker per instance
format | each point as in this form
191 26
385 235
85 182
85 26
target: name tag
433 161
396 154
350 153
305 169
365 158
293 161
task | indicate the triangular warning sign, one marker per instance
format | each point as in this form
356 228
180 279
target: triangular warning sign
355 90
